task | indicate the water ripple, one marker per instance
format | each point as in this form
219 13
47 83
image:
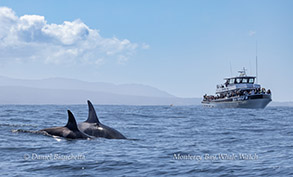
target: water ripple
156 134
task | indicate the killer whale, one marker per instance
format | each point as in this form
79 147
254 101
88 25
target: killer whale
93 127
70 130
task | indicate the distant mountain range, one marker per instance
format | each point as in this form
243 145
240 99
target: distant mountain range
71 91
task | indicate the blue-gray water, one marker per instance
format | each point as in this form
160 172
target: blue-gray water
178 140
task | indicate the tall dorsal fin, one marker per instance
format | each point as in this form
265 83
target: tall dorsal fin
71 124
92 117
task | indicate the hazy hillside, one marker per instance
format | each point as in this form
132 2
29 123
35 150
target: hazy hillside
62 83
70 91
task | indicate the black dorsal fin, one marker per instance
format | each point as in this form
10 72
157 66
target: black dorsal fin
92 117
71 124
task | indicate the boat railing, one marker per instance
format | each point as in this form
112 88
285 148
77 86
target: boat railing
222 88
240 94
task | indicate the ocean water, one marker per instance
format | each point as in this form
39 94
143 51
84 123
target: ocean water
163 141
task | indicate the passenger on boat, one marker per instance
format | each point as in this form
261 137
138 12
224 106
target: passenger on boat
226 83
237 92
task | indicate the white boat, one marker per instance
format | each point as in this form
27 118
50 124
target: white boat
239 92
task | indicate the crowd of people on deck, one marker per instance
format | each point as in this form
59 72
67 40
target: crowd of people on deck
236 93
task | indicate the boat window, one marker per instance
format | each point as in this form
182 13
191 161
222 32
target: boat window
244 80
232 81
239 80
251 80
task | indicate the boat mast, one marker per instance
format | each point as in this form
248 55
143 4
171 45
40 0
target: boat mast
256 72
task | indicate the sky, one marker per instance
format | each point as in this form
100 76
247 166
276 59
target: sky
184 47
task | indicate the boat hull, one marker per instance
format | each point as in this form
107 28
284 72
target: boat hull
253 102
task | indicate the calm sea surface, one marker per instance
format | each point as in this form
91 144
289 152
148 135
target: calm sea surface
163 141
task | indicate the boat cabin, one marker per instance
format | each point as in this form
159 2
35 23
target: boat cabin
241 82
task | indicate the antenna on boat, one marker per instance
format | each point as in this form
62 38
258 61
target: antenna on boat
242 72
256 72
